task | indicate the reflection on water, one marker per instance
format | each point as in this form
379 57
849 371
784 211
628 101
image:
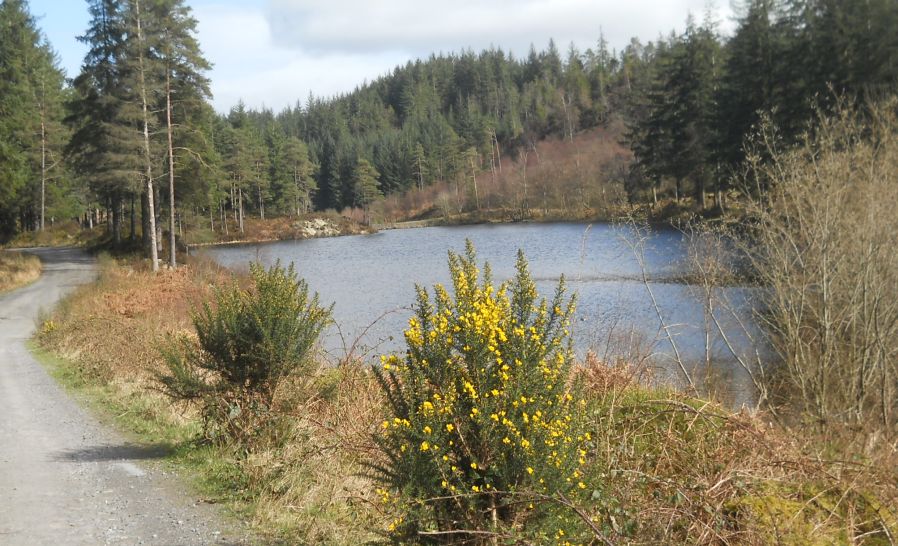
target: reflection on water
371 280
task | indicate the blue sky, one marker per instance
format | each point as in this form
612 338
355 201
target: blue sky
275 52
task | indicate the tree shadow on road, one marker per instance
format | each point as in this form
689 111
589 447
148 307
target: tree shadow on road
123 452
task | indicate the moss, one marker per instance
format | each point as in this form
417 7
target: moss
781 518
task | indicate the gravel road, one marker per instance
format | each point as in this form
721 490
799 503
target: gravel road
64 477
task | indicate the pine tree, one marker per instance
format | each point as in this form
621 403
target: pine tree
144 78
185 84
31 132
105 147
748 84
420 165
300 169
365 186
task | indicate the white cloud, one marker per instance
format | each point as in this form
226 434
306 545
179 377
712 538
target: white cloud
249 66
276 56
421 26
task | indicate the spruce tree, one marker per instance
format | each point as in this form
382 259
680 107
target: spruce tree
105 147
31 133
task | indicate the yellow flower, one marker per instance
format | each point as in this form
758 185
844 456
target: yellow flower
425 446
427 430
474 466
450 427
529 470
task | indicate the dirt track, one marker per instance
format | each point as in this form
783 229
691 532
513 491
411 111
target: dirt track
64 477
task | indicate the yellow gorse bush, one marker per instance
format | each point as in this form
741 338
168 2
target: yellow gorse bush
482 418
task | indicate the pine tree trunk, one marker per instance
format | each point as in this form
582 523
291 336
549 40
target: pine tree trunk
133 234
474 177
117 221
43 170
157 195
498 153
234 202
296 181
240 207
171 173
148 199
145 220
700 192
224 218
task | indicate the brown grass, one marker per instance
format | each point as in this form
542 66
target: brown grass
667 468
18 269
557 179
313 485
680 470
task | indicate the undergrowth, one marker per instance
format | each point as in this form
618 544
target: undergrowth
17 269
659 467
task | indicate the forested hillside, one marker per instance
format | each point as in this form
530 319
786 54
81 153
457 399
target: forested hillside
132 138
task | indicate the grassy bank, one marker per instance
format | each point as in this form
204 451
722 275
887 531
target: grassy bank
309 489
660 467
18 269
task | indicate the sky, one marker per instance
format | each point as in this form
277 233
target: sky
274 53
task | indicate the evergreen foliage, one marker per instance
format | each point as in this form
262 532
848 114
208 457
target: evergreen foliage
32 177
365 184
689 100
248 343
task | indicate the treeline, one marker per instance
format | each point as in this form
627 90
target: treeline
137 118
32 136
704 97
132 120
690 101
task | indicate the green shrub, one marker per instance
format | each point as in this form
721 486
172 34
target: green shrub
484 437
247 344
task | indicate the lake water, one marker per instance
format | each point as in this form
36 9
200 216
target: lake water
371 281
